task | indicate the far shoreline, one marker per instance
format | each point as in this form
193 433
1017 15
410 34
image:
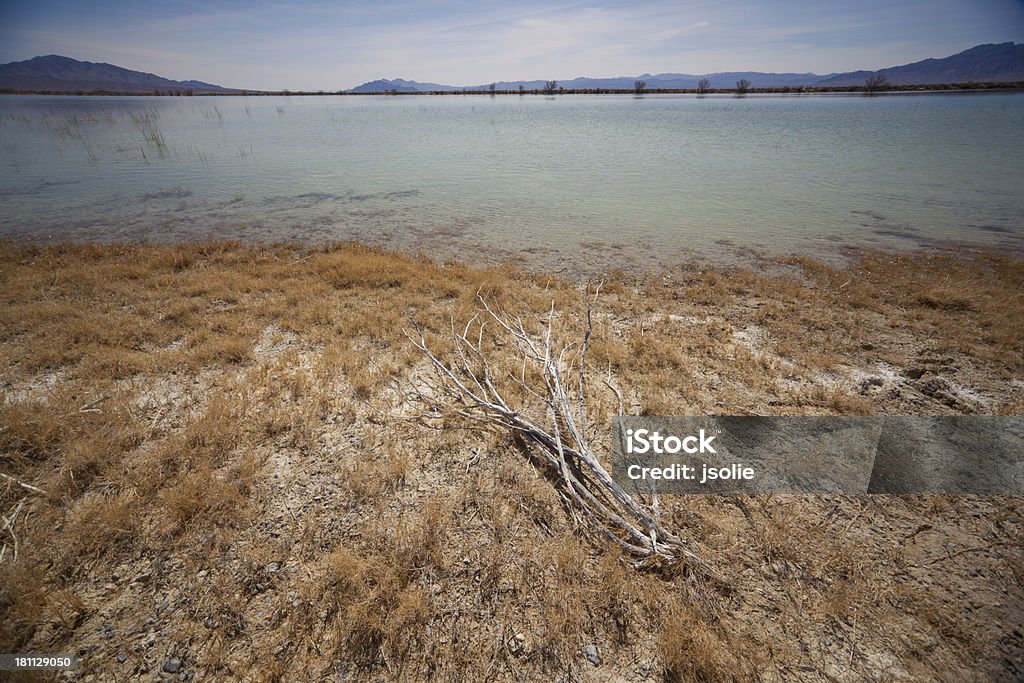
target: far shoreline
1014 86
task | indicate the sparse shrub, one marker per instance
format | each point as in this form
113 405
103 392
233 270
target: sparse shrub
875 83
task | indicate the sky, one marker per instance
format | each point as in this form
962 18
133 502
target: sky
337 45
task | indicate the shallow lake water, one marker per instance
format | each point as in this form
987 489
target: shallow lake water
567 182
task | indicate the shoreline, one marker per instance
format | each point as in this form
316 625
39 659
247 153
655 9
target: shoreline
586 260
238 481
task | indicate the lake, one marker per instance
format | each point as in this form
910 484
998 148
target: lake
569 182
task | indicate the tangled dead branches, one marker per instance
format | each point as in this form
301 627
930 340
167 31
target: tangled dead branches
469 385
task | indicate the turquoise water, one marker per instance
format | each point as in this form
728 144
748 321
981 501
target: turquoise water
572 180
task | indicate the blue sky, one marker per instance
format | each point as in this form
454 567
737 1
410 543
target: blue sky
334 45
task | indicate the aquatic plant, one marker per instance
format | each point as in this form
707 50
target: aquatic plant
146 123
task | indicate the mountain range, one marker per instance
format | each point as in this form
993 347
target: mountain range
54 73
993 63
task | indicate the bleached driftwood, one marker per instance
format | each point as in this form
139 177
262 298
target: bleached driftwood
467 386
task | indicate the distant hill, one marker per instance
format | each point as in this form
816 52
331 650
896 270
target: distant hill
54 73
982 64
399 85
1000 63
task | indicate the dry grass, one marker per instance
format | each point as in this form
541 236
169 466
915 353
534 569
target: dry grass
234 479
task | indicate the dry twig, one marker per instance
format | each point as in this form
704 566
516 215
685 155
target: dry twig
91 407
22 484
8 524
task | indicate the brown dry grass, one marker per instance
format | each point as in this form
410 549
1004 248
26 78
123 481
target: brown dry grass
234 479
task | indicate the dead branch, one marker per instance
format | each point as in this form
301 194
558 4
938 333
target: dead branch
22 484
467 386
